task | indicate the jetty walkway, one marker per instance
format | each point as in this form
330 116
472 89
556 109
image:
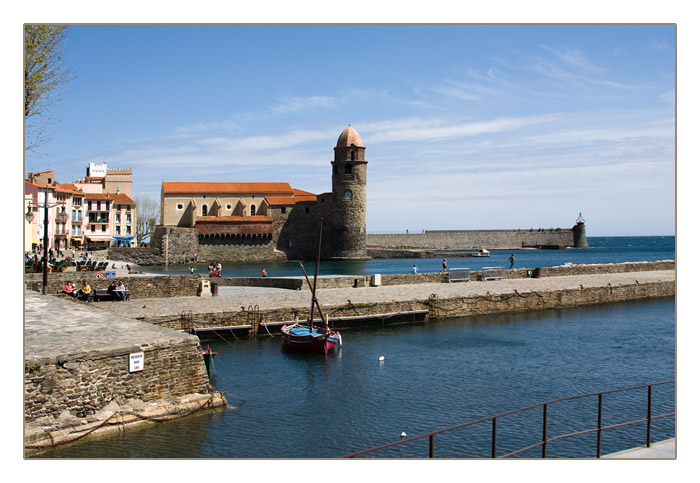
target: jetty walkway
237 298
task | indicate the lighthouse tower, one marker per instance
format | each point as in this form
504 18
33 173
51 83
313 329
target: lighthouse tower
349 199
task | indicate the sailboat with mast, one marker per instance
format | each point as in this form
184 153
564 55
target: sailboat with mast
308 336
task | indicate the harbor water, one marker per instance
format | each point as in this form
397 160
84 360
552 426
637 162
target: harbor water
602 250
287 404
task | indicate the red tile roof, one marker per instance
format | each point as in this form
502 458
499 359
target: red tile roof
190 188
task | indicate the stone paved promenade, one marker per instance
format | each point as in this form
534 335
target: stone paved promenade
57 327
233 298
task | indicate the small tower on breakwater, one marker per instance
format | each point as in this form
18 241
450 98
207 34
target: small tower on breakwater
579 230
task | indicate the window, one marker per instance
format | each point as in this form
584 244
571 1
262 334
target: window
117 230
348 169
119 207
128 217
89 205
228 207
307 209
128 229
284 209
204 210
104 228
77 201
179 206
252 210
92 228
352 155
117 217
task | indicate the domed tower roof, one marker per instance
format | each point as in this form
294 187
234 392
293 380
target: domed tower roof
348 138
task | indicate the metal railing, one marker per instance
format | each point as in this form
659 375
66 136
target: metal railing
545 438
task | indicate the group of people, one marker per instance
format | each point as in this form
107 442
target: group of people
117 289
82 293
214 269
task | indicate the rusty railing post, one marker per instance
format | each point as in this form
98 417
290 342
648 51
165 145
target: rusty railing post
600 423
649 415
544 431
493 438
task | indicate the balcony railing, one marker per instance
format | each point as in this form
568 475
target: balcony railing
545 438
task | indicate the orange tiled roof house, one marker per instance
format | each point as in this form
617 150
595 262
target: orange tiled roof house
233 221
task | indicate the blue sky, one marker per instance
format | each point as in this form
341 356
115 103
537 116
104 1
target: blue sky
466 126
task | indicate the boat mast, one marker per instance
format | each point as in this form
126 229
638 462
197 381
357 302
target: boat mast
318 261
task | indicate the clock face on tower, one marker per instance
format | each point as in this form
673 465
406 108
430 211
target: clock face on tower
347 195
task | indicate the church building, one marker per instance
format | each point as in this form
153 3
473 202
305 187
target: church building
241 221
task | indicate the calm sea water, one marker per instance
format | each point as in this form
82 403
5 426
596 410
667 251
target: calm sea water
285 404
602 250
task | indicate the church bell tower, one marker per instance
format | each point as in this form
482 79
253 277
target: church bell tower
349 198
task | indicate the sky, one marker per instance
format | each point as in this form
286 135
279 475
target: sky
465 126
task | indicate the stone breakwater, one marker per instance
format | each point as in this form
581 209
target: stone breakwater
249 307
79 378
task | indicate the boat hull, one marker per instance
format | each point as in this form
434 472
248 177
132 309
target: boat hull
311 340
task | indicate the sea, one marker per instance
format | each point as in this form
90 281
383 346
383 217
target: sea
602 250
288 405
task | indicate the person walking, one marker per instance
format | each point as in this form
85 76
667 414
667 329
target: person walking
512 260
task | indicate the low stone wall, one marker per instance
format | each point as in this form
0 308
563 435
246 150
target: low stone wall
80 385
139 287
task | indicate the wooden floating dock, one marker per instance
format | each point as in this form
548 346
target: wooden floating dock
344 322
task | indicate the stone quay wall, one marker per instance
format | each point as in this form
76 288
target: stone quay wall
82 384
375 313
187 285
474 239
139 287
138 256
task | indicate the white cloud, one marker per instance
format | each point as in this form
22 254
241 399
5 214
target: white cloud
658 45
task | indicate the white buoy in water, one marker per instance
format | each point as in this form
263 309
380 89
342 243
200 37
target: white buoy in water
381 358
403 434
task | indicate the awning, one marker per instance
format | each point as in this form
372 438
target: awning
76 238
123 238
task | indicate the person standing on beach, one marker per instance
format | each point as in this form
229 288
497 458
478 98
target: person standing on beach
512 260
